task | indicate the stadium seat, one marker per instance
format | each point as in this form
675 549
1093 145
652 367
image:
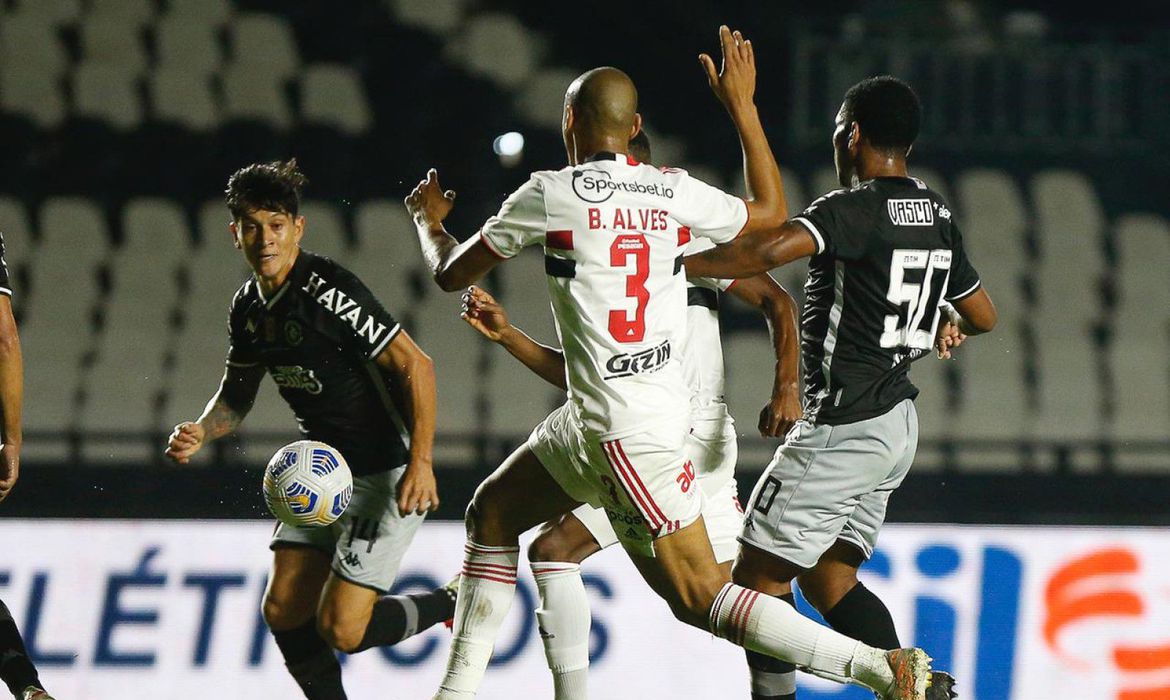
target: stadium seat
1069 225
498 47
113 42
540 101
457 356
823 181
200 12
324 230
187 46
107 94
994 221
438 16
57 328
19 245
794 195
251 94
1139 354
264 45
183 98
53 12
135 12
382 257
749 361
32 44
24 92
332 95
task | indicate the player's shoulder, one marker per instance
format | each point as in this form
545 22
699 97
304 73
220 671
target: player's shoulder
321 271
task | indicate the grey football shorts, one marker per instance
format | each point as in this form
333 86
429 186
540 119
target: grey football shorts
830 482
368 541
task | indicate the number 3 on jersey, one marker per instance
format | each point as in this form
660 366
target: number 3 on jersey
623 328
917 281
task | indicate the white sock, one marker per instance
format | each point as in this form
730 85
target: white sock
563 617
486 590
771 626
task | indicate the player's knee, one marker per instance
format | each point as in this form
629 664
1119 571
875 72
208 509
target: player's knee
822 591
549 546
280 614
487 516
343 635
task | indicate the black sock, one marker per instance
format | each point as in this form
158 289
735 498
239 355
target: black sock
863 616
311 662
398 617
772 679
16 669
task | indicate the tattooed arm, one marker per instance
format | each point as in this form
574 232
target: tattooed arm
223 413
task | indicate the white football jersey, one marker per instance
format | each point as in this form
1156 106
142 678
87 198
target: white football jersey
703 353
614 232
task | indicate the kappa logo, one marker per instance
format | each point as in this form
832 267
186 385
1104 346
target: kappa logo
352 560
345 308
1100 587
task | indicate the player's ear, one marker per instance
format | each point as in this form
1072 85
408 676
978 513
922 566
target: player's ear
854 137
235 235
298 228
637 125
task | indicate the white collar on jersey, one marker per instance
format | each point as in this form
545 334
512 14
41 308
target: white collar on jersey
608 155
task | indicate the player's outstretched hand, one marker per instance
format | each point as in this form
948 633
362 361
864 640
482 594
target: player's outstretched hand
428 204
735 83
9 468
949 337
186 439
483 313
417 492
781 413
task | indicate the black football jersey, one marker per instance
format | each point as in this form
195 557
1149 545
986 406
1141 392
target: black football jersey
318 336
888 254
5 286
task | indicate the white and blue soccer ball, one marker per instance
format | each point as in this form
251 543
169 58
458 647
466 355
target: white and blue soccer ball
307 484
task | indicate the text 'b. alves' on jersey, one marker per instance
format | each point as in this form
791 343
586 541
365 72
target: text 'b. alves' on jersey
613 232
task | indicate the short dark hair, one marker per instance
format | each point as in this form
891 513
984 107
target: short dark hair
886 109
640 146
274 186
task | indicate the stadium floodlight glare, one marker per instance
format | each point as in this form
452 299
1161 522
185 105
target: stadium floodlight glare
509 147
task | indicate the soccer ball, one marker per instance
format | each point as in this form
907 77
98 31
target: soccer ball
307 484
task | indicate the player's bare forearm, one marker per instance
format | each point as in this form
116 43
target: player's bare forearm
11 376
220 419
546 362
780 314
414 385
977 313
761 174
753 253
231 403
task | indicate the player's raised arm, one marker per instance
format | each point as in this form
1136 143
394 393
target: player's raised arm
753 253
223 414
453 265
483 313
735 86
780 312
11 397
414 375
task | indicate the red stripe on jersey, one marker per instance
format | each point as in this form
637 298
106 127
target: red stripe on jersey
634 472
634 497
561 240
684 235
491 248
